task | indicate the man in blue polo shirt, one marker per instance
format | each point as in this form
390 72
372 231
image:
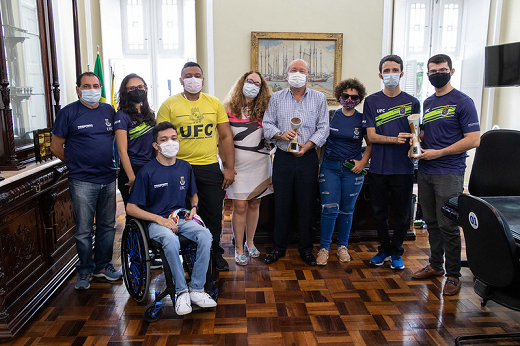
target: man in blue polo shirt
390 176
83 138
449 128
161 187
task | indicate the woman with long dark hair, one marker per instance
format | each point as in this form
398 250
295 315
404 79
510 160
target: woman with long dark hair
133 124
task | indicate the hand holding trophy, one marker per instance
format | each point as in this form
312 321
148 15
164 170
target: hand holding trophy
293 144
413 120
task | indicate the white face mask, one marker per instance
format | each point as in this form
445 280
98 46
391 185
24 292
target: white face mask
169 148
391 80
90 96
250 90
297 79
193 85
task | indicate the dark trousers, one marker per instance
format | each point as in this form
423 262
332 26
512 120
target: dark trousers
209 180
122 179
396 189
295 182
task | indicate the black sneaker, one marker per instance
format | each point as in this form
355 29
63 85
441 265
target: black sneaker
155 259
155 263
220 263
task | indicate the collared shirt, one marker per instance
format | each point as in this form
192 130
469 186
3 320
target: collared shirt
312 110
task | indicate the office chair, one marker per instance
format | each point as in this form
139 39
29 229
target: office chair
493 257
496 165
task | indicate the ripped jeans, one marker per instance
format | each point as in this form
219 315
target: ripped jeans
339 190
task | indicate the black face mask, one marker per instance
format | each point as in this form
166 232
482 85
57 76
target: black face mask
137 96
439 80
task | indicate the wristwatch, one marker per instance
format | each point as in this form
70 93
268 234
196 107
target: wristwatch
279 134
195 206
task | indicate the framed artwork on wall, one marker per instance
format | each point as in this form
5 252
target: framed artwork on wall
272 52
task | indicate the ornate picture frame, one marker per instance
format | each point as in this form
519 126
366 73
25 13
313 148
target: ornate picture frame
271 52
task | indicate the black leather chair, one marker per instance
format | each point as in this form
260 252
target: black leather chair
496 166
493 257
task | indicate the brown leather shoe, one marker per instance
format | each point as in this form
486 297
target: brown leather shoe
451 286
427 272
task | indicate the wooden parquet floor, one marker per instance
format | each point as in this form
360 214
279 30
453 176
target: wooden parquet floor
287 303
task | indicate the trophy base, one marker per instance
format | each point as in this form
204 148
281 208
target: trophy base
293 147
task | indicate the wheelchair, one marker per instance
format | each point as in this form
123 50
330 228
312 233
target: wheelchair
135 258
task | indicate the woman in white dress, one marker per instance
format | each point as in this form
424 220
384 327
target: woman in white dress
245 106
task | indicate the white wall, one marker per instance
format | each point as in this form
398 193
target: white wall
361 23
506 98
64 35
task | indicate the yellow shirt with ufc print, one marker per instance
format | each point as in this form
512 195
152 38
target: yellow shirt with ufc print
196 123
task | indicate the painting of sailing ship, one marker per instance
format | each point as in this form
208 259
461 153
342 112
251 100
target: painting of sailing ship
271 54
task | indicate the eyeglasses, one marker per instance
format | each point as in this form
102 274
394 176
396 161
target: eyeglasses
250 81
345 96
140 87
442 70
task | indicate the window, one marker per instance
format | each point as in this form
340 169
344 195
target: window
134 29
458 28
153 38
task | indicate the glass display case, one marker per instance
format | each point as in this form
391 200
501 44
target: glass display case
24 68
28 58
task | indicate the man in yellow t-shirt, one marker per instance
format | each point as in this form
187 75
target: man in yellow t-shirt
198 117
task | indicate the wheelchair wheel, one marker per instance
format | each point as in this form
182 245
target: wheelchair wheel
136 260
152 312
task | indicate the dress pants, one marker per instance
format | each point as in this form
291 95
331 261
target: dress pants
295 182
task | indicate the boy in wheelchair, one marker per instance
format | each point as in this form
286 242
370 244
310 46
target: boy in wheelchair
161 187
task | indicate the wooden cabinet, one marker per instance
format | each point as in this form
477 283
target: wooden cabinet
37 245
363 223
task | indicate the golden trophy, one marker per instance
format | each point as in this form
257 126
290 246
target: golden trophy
413 120
293 144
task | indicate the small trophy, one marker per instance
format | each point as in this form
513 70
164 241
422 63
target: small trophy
413 120
293 144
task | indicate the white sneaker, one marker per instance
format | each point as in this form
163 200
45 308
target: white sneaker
202 299
183 304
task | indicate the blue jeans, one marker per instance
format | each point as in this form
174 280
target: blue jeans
443 234
339 189
89 200
171 246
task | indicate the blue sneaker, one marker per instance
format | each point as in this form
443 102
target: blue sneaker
379 259
83 282
109 273
397 262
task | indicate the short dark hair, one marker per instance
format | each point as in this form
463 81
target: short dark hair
391 57
165 125
78 80
351 83
439 59
191 64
